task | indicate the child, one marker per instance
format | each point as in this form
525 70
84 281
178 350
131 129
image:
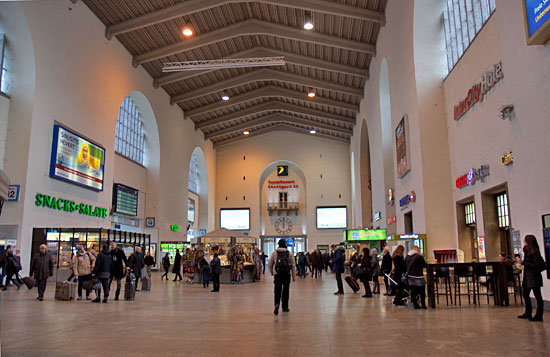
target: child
205 271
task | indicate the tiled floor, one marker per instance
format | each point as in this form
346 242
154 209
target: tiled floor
177 319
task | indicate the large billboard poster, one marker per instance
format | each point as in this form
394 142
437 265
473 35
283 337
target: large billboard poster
358 235
76 160
401 149
537 19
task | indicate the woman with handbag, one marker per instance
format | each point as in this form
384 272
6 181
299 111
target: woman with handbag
534 265
364 273
399 270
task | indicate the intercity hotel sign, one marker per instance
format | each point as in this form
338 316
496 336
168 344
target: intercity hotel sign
479 90
62 204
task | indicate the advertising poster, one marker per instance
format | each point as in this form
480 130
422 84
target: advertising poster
481 248
76 160
357 235
537 13
401 149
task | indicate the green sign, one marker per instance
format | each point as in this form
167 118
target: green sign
174 227
62 204
358 235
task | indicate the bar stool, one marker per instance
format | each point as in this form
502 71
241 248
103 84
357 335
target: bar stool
443 273
463 272
481 272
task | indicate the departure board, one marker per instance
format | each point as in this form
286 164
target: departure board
125 200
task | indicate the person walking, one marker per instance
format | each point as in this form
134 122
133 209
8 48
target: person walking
149 262
12 268
83 265
533 265
308 264
102 271
166 266
282 267
42 269
364 272
215 271
135 263
17 257
205 272
301 265
386 269
338 267
415 276
398 271
314 264
375 267
177 266
118 272
263 256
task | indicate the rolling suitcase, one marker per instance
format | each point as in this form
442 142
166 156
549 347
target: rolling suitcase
29 282
130 287
146 283
65 291
352 284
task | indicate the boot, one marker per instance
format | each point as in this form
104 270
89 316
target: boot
276 311
538 315
525 316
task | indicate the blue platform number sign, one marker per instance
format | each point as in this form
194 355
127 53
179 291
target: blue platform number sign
13 193
537 17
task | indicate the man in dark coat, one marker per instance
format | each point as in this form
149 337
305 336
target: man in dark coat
117 272
102 271
338 267
386 269
177 266
216 271
135 263
42 269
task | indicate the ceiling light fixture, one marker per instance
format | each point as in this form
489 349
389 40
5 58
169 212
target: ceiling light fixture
187 32
311 94
308 23
225 95
312 131
246 132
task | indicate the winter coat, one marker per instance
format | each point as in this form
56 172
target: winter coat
42 266
12 266
83 263
386 263
534 266
314 259
338 262
400 268
103 265
367 268
375 265
215 266
149 260
415 265
177 263
273 261
118 258
166 262
135 262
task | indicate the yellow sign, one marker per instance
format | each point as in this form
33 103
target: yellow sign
507 158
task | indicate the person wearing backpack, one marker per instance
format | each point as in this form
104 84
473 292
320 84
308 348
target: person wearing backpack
83 265
282 266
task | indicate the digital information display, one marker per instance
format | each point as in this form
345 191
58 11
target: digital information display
357 235
237 219
125 200
76 160
332 217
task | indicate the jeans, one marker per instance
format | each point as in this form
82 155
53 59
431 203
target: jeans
386 282
216 282
81 280
302 271
527 298
41 287
339 282
416 293
366 283
105 285
282 289
376 287
118 284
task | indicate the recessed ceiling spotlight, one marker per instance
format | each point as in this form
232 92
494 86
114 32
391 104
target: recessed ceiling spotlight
246 132
311 94
308 23
312 131
225 95
187 32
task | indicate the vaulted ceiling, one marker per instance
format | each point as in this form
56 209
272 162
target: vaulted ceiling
332 59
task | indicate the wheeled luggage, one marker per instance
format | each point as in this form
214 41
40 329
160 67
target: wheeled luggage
65 290
146 283
29 282
130 287
353 284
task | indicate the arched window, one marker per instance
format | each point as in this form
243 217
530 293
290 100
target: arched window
193 182
129 136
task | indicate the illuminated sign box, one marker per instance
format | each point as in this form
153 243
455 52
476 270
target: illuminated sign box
332 217
537 21
237 219
125 200
359 235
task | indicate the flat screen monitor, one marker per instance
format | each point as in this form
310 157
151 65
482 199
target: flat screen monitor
125 200
332 217
237 219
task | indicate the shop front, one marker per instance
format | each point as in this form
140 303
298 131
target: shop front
357 239
296 244
408 241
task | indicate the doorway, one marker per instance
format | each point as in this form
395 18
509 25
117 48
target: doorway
283 200
409 229
295 244
497 222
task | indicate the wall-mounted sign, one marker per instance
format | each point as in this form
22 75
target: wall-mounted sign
410 198
472 176
357 235
282 185
481 248
390 197
377 216
507 159
150 222
62 204
477 92
125 200
282 170
174 227
401 149
13 193
537 21
76 160
517 244
391 220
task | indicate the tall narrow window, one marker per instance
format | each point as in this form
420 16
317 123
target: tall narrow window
129 136
470 213
502 210
4 66
193 179
462 20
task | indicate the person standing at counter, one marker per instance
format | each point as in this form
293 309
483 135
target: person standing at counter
534 265
42 269
177 266
118 257
282 266
216 271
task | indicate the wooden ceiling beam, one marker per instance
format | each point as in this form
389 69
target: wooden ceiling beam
253 27
194 6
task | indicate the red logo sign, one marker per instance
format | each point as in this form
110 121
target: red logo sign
391 220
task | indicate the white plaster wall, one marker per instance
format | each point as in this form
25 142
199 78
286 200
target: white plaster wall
313 155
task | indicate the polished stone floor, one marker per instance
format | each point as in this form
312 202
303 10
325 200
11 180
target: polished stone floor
177 319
